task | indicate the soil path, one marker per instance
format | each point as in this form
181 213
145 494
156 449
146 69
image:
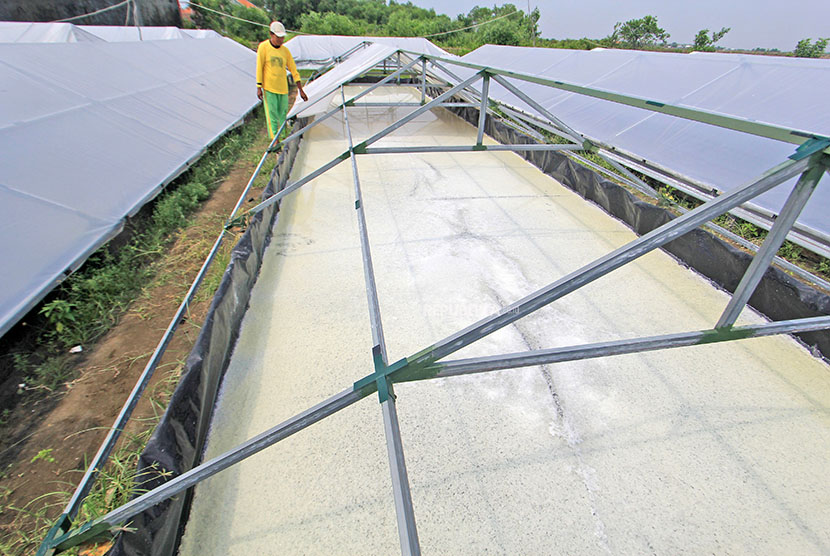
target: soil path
51 457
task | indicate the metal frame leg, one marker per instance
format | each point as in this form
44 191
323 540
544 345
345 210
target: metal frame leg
482 114
786 218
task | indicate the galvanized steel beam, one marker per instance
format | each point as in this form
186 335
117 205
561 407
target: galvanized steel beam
482 112
404 509
786 218
473 365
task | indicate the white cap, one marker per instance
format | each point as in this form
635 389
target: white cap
277 28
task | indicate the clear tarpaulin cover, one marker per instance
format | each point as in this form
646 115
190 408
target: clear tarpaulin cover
321 89
16 31
788 92
89 132
321 50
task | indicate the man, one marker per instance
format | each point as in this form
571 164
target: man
273 59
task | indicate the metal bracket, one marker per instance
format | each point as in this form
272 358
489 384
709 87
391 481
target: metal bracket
587 146
811 146
399 371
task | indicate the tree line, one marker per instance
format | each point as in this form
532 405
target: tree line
505 24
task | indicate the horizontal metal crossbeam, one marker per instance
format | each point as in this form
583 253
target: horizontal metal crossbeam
621 347
465 148
402 104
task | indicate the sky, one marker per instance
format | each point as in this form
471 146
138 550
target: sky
755 23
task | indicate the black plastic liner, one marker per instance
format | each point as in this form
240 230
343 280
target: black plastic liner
779 296
177 444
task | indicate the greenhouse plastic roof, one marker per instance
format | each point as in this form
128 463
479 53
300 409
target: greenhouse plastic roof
321 50
320 90
16 31
90 131
788 92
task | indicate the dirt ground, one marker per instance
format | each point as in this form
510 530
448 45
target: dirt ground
52 446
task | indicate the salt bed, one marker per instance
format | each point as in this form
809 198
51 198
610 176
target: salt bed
713 449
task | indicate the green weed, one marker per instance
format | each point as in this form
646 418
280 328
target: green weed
52 373
44 455
790 251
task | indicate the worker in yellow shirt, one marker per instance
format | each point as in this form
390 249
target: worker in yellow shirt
273 61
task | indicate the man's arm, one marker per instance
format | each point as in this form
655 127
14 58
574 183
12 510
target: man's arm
260 62
302 93
292 67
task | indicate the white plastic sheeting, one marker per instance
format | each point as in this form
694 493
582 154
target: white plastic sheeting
116 33
320 50
89 132
14 31
782 91
320 90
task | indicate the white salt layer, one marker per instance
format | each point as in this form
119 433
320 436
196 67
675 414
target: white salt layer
714 449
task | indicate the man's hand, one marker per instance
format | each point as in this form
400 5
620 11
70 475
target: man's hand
302 93
259 93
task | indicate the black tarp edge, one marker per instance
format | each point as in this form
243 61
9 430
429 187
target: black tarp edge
178 441
778 296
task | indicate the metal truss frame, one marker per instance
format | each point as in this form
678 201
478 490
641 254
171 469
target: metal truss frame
810 162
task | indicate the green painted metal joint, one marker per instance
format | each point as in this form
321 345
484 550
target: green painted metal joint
655 103
385 375
349 102
238 222
724 334
360 148
479 147
587 146
346 155
60 527
810 147
357 204
85 532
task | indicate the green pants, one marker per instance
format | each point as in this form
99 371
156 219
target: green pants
276 108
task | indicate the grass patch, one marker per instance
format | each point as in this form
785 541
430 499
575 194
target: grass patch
115 486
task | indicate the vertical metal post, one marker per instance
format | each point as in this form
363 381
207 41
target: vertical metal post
783 223
482 115
398 58
423 80
407 529
404 509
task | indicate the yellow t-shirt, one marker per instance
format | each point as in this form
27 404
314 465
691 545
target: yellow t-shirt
271 65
